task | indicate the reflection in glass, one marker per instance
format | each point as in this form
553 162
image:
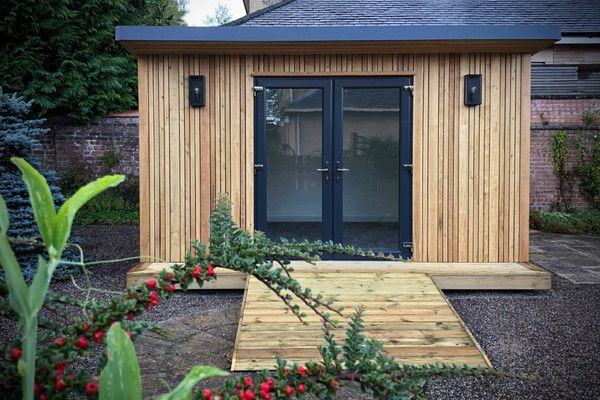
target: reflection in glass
294 153
371 132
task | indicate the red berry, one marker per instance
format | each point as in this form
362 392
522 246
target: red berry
43 397
335 384
170 288
59 384
301 388
211 270
129 334
60 367
82 342
302 370
270 381
265 387
168 276
38 388
248 381
286 372
238 386
207 393
197 272
241 395
85 327
59 341
265 395
153 298
151 283
289 391
249 394
92 387
98 336
130 315
16 353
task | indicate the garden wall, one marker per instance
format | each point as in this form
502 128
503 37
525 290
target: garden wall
70 144
549 116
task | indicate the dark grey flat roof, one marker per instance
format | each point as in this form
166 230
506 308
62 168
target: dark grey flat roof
336 33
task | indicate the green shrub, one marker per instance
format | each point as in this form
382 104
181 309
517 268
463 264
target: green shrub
561 222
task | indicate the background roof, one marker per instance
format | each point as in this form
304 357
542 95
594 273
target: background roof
573 16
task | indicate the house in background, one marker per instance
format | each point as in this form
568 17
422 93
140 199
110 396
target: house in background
565 77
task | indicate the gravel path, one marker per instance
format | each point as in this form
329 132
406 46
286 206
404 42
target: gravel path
555 334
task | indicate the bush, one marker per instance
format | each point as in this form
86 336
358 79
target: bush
562 222
18 138
116 206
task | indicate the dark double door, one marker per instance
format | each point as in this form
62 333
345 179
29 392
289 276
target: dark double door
333 160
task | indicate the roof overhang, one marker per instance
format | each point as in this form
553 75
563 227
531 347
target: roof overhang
336 39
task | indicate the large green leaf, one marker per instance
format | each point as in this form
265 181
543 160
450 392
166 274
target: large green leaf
4 224
183 391
17 288
39 286
120 378
66 214
41 199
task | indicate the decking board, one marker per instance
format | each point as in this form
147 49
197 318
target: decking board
416 323
447 276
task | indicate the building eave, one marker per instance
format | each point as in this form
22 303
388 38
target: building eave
337 39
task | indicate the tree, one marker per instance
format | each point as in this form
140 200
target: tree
63 55
18 138
221 16
165 12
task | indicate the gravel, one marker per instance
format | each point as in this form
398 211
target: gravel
555 334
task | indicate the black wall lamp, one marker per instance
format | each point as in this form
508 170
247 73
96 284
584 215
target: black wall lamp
472 90
196 84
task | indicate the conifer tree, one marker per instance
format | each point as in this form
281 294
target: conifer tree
19 136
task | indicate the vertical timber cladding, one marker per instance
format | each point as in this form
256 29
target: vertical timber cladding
471 164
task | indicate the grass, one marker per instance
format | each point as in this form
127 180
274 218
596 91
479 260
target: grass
562 222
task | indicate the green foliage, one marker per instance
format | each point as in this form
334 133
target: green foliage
19 137
589 117
55 229
561 222
588 171
115 206
565 176
184 390
120 378
163 12
62 53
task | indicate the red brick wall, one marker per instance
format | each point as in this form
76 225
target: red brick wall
547 118
69 143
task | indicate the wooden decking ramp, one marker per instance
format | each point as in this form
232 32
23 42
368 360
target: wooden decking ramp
407 312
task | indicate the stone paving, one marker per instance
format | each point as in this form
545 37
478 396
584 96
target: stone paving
574 257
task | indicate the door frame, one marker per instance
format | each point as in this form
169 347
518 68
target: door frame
332 150
260 145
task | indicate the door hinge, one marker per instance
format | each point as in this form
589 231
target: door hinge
408 245
258 167
409 167
409 88
258 89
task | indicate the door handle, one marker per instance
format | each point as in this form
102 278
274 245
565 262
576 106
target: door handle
325 169
338 171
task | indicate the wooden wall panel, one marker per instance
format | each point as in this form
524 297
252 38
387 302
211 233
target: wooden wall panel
471 164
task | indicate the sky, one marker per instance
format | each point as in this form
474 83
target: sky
199 9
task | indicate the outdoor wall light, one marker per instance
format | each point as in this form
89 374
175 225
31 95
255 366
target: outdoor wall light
472 90
196 84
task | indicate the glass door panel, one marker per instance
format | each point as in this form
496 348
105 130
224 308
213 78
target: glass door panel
294 148
371 154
